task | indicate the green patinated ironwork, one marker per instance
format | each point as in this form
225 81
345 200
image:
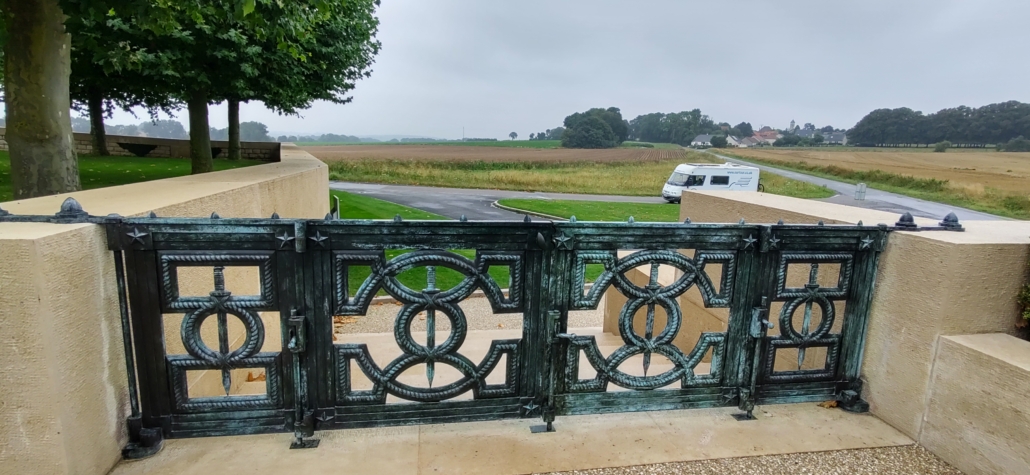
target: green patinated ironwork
305 267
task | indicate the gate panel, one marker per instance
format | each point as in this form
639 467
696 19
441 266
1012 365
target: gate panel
379 255
622 383
193 333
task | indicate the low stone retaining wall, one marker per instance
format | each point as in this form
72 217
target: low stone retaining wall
126 146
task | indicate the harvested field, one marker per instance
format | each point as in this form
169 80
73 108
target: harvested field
490 154
971 169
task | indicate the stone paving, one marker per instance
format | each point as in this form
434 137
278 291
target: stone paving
906 460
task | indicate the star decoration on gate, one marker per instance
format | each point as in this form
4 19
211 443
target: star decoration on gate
137 236
866 243
774 242
749 242
563 242
284 240
319 238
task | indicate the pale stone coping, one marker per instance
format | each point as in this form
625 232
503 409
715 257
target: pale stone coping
137 199
977 232
1004 348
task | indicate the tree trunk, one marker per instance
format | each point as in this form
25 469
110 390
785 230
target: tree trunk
200 134
234 129
96 123
37 68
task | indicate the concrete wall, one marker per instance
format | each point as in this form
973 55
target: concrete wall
978 419
63 395
929 284
174 148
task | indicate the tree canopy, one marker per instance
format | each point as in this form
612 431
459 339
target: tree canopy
678 127
611 116
589 131
990 124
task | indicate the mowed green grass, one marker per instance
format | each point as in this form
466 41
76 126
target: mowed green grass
101 172
598 210
485 143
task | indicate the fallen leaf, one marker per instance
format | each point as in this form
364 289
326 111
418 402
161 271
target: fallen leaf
334 337
341 320
251 378
500 325
828 404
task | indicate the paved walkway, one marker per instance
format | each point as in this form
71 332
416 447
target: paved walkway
875 199
508 447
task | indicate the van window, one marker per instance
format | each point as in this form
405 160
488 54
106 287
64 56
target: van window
678 179
696 180
720 180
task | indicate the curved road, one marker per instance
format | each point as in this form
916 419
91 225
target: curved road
874 199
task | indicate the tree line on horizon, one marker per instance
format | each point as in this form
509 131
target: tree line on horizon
984 126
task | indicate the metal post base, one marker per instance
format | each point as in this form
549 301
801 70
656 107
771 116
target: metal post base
747 416
299 443
150 443
549 427
850 401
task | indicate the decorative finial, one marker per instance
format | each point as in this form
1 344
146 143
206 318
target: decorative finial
463 219
780 222
328 216
398 218
527 219
951 222
215 216
152 215
686 221
71 209
631 220
906 221
859 223
572 219
275 215
742 221
820 223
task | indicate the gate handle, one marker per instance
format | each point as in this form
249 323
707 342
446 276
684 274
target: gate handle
298 340
759 321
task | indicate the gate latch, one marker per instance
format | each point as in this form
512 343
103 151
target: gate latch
759 319
298 339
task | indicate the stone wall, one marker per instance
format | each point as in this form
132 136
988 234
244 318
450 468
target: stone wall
126 146
929 286
64 392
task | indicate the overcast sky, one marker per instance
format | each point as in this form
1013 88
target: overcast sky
495 67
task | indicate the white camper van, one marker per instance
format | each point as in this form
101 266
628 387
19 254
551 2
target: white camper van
710 176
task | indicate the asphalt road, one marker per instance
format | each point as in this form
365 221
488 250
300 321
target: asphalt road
474 204
875 199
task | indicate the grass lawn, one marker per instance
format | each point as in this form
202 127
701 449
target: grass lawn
621 177
487 143
100 172
598 210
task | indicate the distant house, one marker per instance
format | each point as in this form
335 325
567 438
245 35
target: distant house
767 136
751 142
732 141
702 140
808 133
835 138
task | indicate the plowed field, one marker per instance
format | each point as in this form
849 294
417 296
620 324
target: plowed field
489 154
973 170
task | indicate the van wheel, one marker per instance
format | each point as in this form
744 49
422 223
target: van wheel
761 188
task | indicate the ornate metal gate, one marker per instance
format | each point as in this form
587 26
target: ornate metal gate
788 292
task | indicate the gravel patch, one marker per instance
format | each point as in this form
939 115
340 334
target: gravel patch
478 314
907 460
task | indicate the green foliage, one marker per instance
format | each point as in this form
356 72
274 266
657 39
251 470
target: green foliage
942 146
990 124
1024 301
598 210
788 141
591 134
718 141
745 129
1018 144
637 145
678 128
513 135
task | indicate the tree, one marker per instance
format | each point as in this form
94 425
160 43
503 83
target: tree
745 129
1018 144
589 132
808 126
611 116
718 141
532 136
678 128
941 147
827 129
513 135
818 138
254 132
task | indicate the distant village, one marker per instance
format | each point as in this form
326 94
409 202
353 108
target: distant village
807 135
